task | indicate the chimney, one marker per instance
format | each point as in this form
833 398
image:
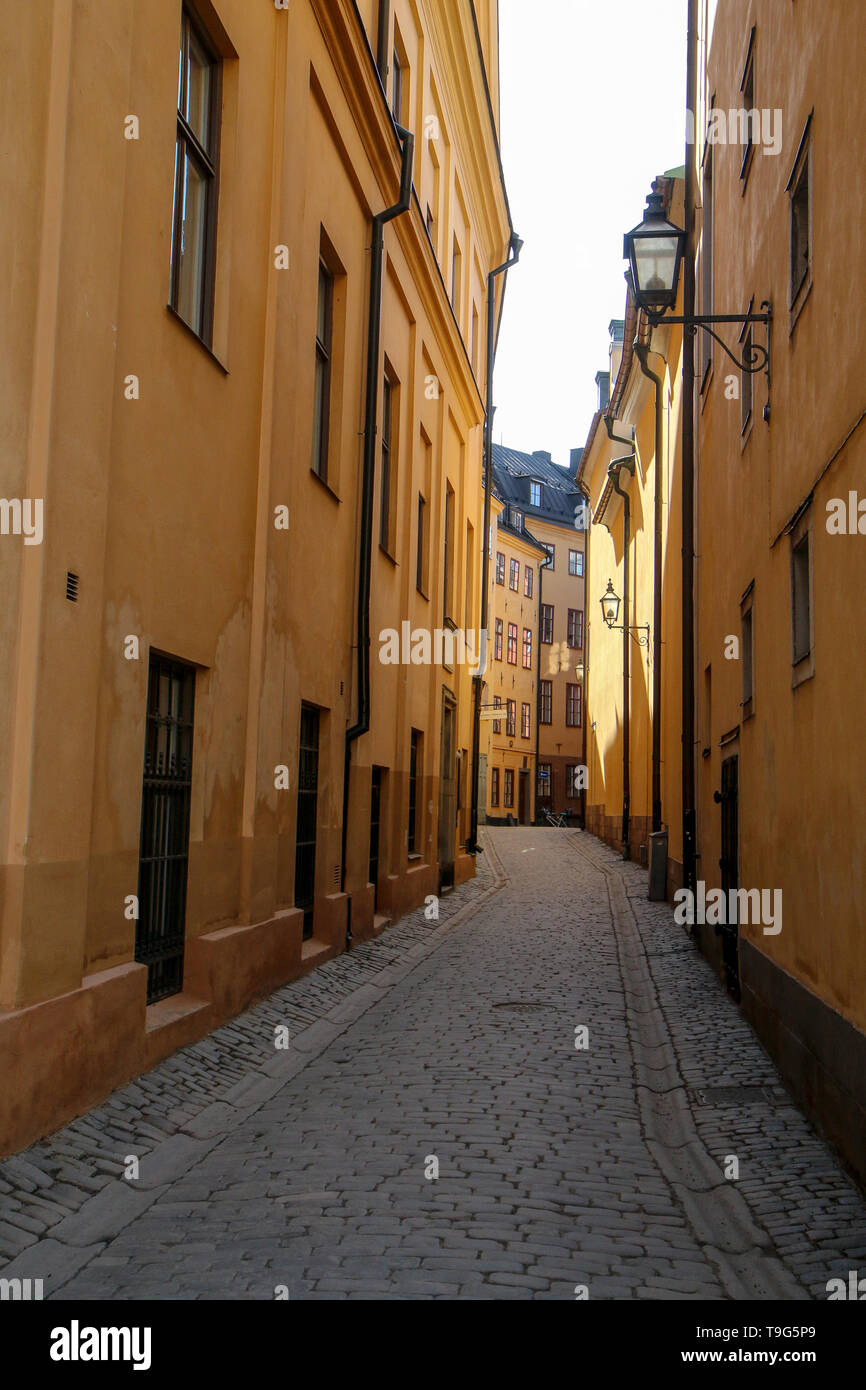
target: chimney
540 454
602 381
574 462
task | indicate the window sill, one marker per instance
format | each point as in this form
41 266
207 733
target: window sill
325 484
388 556
196 337
803 671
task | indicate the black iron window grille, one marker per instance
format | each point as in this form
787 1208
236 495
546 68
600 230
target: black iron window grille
308 805
165 811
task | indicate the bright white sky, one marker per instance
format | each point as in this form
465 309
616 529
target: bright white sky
593 99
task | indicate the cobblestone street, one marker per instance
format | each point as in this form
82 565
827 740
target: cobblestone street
559 1165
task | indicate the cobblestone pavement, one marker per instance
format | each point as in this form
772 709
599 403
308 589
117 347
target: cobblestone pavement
561 1167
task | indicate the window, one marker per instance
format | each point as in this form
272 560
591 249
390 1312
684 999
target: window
497 639
497 723
546 712
527 581
544 779
510 718
414 776
470 575
800 193
534 494
747 132
525 720
494 786
422 544
397 88
527 648
547 622
551 556
474 348
322 387
575 628
572 706
456 276
514 575
448 566
500 567
747 652
196 167
387 437
512 644
572 779
801 599
431 225
575 563
307 821
517 518
509 786
165 815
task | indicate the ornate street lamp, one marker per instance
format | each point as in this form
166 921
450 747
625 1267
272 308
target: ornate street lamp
610 602
654 250
609 605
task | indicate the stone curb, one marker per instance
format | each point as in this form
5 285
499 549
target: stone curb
730 1235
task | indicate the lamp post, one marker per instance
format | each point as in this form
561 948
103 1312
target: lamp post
654 250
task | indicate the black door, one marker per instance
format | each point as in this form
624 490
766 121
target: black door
164 845
729 865
447 792
375 815
308 805
523 797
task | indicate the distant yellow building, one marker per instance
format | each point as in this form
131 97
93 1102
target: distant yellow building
543 498
243 386
511 682
633 448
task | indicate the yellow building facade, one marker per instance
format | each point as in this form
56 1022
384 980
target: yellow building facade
248 468
780 527
634 675
511 681
544 499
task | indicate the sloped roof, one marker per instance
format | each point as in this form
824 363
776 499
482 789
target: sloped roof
512 473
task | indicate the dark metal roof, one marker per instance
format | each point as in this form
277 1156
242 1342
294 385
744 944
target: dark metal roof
512 473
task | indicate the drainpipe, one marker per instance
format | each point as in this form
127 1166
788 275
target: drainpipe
613 472
368 478
541 568
515 246
688 470
585 778
642 352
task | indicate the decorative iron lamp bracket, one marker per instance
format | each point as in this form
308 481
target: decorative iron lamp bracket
643 628
756 358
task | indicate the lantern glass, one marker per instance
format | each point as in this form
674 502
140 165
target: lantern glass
609 605
655 267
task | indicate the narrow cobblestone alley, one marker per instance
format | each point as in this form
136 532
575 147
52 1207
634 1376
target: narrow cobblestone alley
561 1167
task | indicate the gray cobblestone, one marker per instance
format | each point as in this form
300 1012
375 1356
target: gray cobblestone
546 1179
